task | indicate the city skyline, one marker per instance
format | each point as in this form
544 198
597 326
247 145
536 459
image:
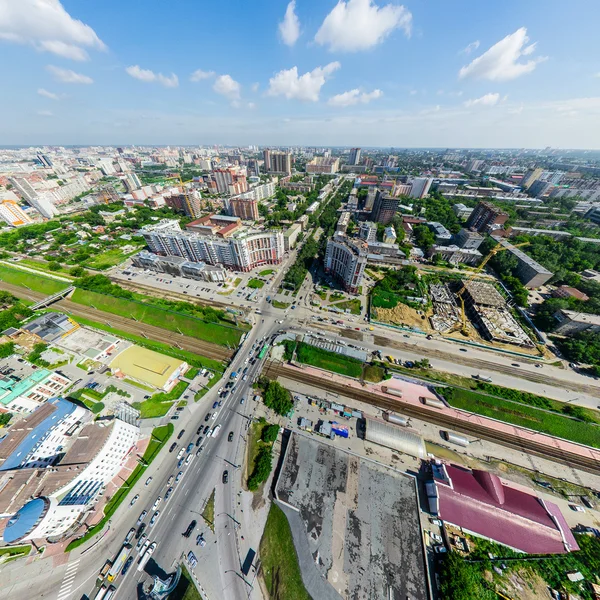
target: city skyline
300 73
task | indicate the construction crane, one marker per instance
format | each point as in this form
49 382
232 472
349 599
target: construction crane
463 314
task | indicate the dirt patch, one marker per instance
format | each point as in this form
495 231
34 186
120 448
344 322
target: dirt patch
404 315
524 585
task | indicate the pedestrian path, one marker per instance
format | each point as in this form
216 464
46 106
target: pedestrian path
69 579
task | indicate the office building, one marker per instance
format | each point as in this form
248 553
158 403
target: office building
354 158
467 239
323 165
179 267
277 162
345 259
384 208
530 273
486 217
367 230
530 177
232 246
571 322
245 209
13 214
420 187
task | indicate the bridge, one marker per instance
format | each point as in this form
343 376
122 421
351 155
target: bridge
54 298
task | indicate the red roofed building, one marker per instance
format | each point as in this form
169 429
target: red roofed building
565 291
480 503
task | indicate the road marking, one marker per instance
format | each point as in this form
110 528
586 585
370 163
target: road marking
68 580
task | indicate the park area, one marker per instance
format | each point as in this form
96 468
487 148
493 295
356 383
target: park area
401 286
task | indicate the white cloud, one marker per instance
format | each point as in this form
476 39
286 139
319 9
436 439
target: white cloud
487 100
199 75
68 76
255 87
355 25
472 46
48 27
148 76
45 113
47 94
597 74
289 28
304 87
228 87
353 97
502 61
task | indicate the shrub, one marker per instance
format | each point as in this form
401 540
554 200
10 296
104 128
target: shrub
262 468
270 433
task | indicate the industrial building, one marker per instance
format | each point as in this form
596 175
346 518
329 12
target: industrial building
346 259
571 322
530 273
395 437
481 504
232 246
55 465
491 316
148 367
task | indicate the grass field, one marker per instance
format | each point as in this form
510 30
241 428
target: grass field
280 569
186 588
256 284
13 552
160 436
159 404
266 272
354 306
277 304
524 416
208 514
38 283
210 332
253 445
110 258
192 359
373 373
43 266
331 361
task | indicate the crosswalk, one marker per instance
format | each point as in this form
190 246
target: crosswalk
68 580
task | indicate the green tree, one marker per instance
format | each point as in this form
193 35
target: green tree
77 272
460 580
277 398
270 433
423 237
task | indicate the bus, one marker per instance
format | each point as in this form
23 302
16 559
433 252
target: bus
119 562
263 351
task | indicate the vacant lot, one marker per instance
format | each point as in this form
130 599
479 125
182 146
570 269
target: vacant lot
279 562
110 258
38 283
331 361
210 332
353 305
524 416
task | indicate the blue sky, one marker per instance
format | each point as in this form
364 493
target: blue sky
429 73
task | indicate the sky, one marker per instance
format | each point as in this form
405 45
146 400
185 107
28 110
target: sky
427 73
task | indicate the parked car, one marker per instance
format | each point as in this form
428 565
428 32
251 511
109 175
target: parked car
180 434
576 508
189 529
134 499
200 541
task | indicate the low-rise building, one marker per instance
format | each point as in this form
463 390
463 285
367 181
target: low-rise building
530 273
469 240
180 267
571 322
290 237
565 291
343 222
367 231
442 236
389 235
313 208
462 211
455 255
29 393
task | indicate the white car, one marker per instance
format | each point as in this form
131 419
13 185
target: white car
139 545
189 459
156 503
144 547
134 500
153 519
149 481
435 537
576 508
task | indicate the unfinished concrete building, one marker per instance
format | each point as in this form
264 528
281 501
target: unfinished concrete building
490 314
446 313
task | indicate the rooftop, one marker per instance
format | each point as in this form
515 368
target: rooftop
145 365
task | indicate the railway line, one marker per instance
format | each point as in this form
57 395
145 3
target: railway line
153 332
441 418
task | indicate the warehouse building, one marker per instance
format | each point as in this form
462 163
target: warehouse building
148 367
397 438
481 504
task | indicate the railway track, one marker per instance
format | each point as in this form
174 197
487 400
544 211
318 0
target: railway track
153 332
441 418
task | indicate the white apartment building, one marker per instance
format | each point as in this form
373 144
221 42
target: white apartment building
346 260
13 214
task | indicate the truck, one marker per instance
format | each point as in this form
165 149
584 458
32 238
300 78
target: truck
455 438
391 391
118 563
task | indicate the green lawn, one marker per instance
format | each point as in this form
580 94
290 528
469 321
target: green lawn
266 272
192 359
256 284
110 258
152 315
280 568
160 436
159 404
524 416
277 304
354 306
208 514
186 588
38 283
331 361
14 552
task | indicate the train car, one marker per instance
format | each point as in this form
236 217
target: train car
455 438
395 419
391 391
432 402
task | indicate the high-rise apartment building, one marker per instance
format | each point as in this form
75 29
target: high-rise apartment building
385 208
132 182
13 214
323 164
346 260
240 250
367 231
354 158
486 217
223 177
189 204
277 161
44 160
531 176
420 187
23 187
244 208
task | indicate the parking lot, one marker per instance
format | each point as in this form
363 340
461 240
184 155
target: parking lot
361 521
